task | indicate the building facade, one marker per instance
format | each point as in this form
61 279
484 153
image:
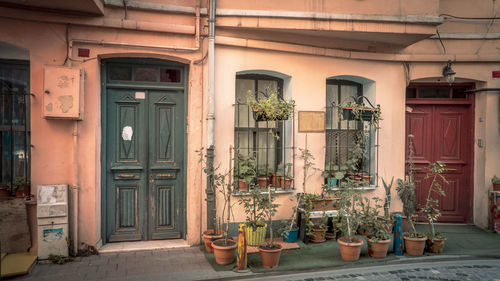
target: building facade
126 139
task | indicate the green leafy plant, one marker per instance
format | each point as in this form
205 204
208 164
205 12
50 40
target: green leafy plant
349 216
247 170
387 202
253 205
222 181
495 179
371 222
270 208
431 208
284 170
271 107
360 111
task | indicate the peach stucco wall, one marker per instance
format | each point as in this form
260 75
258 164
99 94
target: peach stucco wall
56 158
308 88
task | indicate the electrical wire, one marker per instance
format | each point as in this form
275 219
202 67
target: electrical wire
468 18
441 41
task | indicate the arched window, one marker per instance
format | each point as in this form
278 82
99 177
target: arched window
265 143
345 138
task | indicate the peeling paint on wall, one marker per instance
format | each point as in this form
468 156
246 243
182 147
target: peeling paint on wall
66 103
48 107
63 81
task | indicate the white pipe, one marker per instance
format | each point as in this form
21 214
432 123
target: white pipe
75 188
211 74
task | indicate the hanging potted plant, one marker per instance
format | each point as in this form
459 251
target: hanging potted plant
255 228
435 241
270 251
270 107
246 171
356 111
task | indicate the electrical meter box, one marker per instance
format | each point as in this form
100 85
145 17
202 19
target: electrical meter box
52 214
63 92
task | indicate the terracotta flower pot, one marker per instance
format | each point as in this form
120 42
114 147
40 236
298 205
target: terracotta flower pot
270 257
285 183
319 236
415 246
378 250
257 236
350 250
224 254
496 187
435 245
262 182
242 186
209 236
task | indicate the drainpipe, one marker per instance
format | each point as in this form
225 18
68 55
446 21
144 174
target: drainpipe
211 114
75 188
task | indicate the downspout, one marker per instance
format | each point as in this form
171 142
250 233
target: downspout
211 115
75 188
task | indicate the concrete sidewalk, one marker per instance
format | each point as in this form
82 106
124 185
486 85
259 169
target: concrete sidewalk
175 264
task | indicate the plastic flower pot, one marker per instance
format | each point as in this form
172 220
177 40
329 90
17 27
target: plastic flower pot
209 236
350 250
415 246
378 249
270 256
224 253
291 236
256 236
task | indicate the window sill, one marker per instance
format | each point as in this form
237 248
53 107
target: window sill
365 188
264 191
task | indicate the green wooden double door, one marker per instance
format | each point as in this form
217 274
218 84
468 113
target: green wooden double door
144 164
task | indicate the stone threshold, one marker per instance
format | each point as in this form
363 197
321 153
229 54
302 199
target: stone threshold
122 247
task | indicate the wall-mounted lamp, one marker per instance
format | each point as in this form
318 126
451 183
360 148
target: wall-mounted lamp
448 73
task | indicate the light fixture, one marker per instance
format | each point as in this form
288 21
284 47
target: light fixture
448 73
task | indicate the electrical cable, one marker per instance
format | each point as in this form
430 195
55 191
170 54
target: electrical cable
468 18
441 41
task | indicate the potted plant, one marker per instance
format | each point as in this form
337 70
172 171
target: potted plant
435 241
270 107
21 184
290 232
270 251
374 227
496 183
406 189
246 171
350 246
378 241
387 219
263 176
356 111
224 248
333 173
255 228
283 176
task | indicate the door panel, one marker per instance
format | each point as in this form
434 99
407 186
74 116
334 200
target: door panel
166 157
145 144
126 184
443 133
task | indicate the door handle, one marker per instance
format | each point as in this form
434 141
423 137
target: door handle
127 176
165 175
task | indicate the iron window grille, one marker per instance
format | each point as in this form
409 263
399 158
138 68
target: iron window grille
342 135
14 128
269 143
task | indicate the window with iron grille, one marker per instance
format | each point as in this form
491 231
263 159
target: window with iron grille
14 128
266 146
345 138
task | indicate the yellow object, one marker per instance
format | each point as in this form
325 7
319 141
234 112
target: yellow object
241 256
17 264
256 237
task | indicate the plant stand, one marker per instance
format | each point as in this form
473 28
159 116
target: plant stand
314 214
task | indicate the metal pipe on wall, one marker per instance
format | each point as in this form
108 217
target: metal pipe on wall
211 74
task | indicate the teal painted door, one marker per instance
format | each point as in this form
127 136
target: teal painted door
144 173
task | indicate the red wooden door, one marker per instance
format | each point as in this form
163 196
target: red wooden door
443 132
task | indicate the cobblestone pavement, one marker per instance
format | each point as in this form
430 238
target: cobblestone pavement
459 270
